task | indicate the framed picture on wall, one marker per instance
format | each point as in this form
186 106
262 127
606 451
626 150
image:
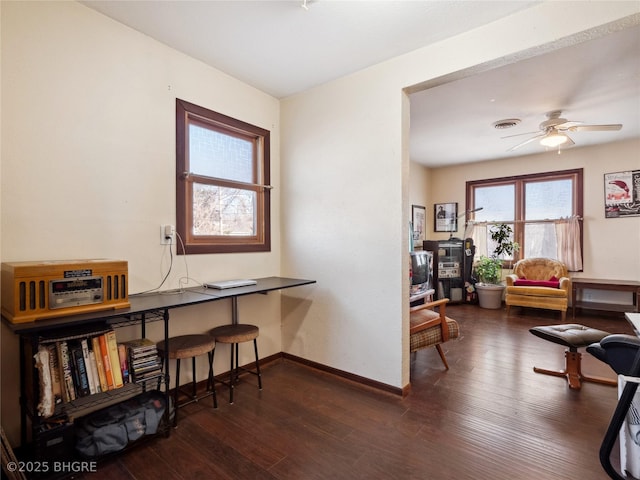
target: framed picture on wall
445 217
622 194
418 221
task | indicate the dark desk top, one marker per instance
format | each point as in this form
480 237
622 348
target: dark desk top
157 301
263 285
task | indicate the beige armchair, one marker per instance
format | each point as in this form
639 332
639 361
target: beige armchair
539 283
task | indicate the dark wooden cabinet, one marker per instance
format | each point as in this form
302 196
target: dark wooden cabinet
452 267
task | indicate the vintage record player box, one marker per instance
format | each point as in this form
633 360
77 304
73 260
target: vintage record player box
47 289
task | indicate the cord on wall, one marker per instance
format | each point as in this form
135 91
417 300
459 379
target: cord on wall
167 235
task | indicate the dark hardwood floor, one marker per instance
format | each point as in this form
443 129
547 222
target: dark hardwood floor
488 417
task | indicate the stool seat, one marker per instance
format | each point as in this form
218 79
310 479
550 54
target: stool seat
573 336
187 346
235 333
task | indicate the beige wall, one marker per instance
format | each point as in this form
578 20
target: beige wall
419 188
88 162
610 244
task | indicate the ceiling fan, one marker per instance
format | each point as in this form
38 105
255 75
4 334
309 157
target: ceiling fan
553 131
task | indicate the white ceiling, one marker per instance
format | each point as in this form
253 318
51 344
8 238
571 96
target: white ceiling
594 82
282 48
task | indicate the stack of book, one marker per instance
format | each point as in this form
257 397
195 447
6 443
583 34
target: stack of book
79 366
144 362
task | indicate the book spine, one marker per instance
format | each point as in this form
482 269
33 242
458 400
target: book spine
68 388
54 368
87 365
94 370
115 358
46 404
63 387
81 379
106 361
102 376
124 367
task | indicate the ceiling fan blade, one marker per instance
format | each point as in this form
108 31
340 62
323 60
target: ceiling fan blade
569 142
595 128
568 125
522 144
520 134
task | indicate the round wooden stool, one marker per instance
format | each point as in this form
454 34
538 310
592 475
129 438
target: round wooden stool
190 346
233 335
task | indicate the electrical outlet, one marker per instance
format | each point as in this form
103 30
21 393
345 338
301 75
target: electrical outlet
167 234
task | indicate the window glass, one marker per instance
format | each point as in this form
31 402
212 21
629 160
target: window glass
491 244
497 202
548 200
540 240
223 211
220 155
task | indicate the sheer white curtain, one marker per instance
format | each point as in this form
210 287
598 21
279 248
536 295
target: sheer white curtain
568 243
478 232
567 233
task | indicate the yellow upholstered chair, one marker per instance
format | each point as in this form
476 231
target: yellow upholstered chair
539 283
429 328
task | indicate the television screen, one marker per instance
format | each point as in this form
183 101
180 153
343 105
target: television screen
421 271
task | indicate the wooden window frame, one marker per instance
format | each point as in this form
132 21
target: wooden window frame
519 182
187 114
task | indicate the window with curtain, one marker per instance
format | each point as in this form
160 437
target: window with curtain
544 210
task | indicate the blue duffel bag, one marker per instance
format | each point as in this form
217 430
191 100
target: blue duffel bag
113 428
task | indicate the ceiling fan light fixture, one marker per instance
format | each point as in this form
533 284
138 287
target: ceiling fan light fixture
554 139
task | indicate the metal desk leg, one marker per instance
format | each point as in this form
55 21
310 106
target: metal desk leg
234 310
23 394
167 411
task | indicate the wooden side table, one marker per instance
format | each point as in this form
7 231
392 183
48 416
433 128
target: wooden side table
596 284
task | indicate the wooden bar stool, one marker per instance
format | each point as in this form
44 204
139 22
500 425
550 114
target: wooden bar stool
233 335
190 346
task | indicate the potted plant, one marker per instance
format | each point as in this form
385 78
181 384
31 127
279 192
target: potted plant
488 270
501 233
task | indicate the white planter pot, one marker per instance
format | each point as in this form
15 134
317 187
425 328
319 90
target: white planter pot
490 296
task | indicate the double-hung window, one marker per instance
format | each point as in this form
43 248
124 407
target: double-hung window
222 183
544 211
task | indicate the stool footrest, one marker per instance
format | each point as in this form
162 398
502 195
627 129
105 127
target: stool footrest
192 399
236 377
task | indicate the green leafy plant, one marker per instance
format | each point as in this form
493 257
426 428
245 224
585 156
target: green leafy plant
501 233
489 269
